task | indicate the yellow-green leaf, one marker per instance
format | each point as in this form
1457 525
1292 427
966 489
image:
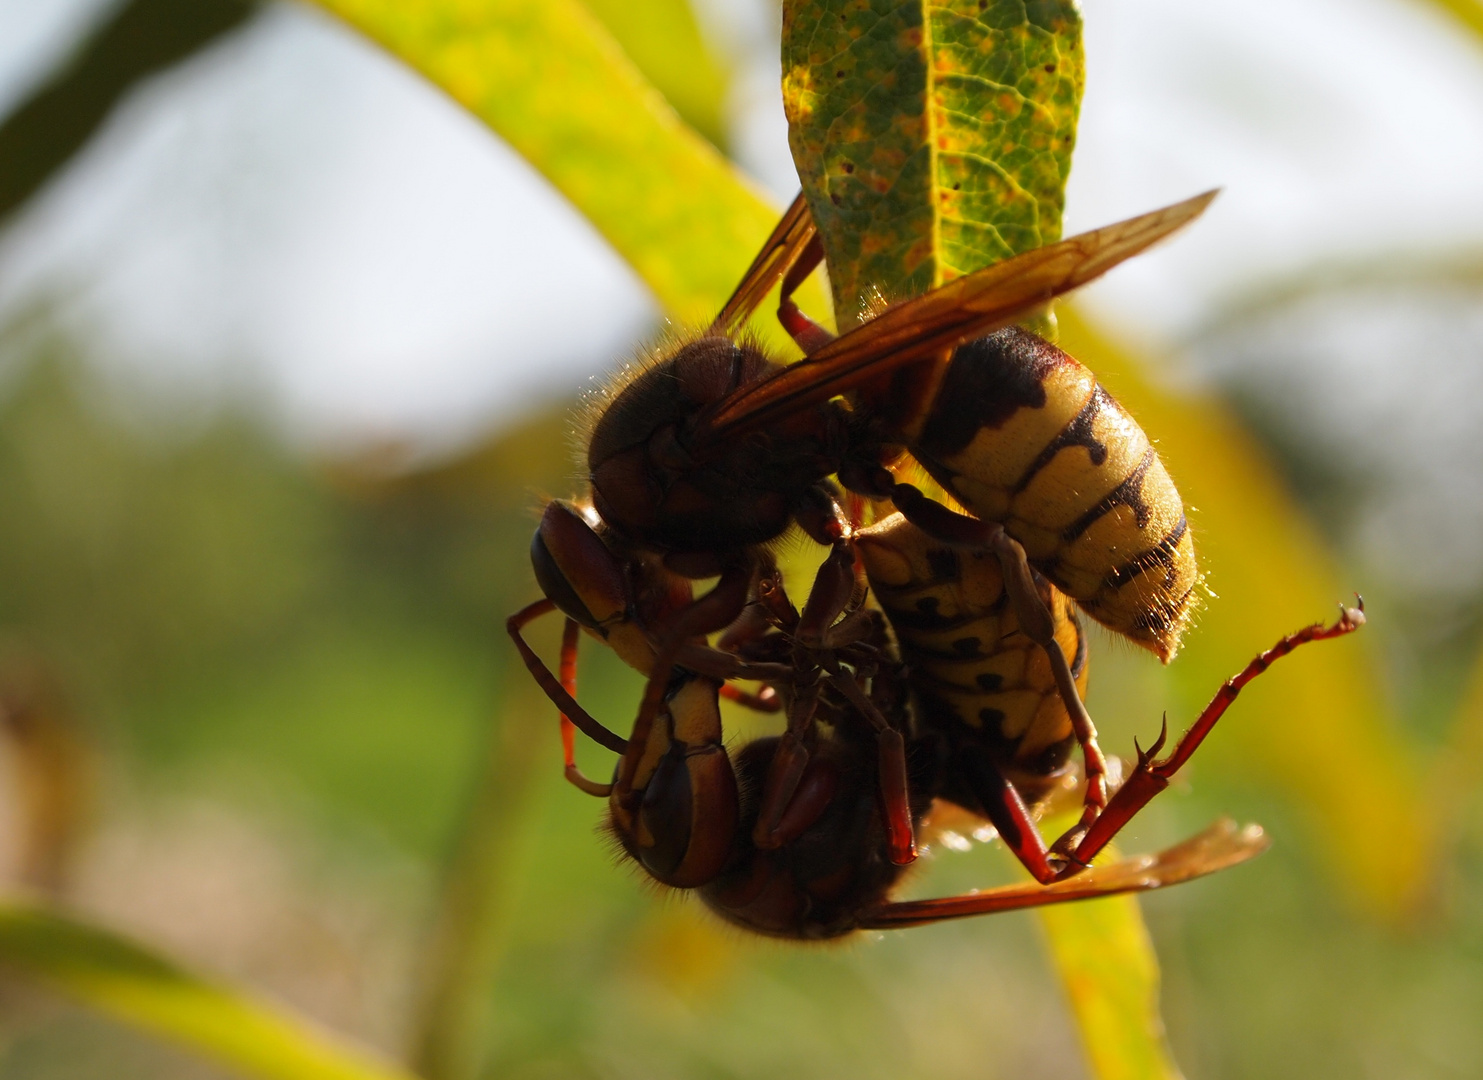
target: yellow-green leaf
551 81
1316 727
131 983
664 40
1102 952
1457 775
1468 13
932 139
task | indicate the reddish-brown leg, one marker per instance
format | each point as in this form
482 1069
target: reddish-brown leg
818 632
570 635
786 769
1006 810
831 591
901 841
810 335
552 686
568 669
1152 777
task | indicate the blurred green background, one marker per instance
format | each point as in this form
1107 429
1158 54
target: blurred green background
253 575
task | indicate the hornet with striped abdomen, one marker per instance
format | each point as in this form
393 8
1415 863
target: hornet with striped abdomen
712 451
1011 426
684 807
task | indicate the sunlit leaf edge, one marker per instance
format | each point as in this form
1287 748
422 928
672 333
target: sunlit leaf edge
146 989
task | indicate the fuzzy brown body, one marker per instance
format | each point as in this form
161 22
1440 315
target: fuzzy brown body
649 487
1011 426
979 682
1024 436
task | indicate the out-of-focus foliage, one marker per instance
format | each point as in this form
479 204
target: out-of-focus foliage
548 78
468 934
1107 965
1458 776
132 983
1420 271
53 775
210 595
1468 13
140 39
664 41
1316 727
932 139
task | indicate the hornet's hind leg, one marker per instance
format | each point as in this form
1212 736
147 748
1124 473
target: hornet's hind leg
1151 777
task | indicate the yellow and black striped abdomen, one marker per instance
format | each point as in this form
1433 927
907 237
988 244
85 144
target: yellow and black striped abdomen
971 669
1024 436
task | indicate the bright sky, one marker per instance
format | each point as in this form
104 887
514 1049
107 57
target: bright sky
294 217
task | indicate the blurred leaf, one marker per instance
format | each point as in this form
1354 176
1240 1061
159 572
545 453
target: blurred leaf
1106 962
1469 13
52 768
144 989
933 139
475 899
1315 728
207 598
1460 270
141 38
548 78
664 40
1457 776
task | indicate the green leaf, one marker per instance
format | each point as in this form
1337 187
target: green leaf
664 40
933 139
131 983
547 77
1102 952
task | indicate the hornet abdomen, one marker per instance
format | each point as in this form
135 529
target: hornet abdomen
977 678
1024 436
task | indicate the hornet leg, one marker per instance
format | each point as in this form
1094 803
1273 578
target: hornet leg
809 335
1152 777
553 687
570 635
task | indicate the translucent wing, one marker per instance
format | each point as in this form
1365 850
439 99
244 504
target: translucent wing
778 254
1221 846
963 309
